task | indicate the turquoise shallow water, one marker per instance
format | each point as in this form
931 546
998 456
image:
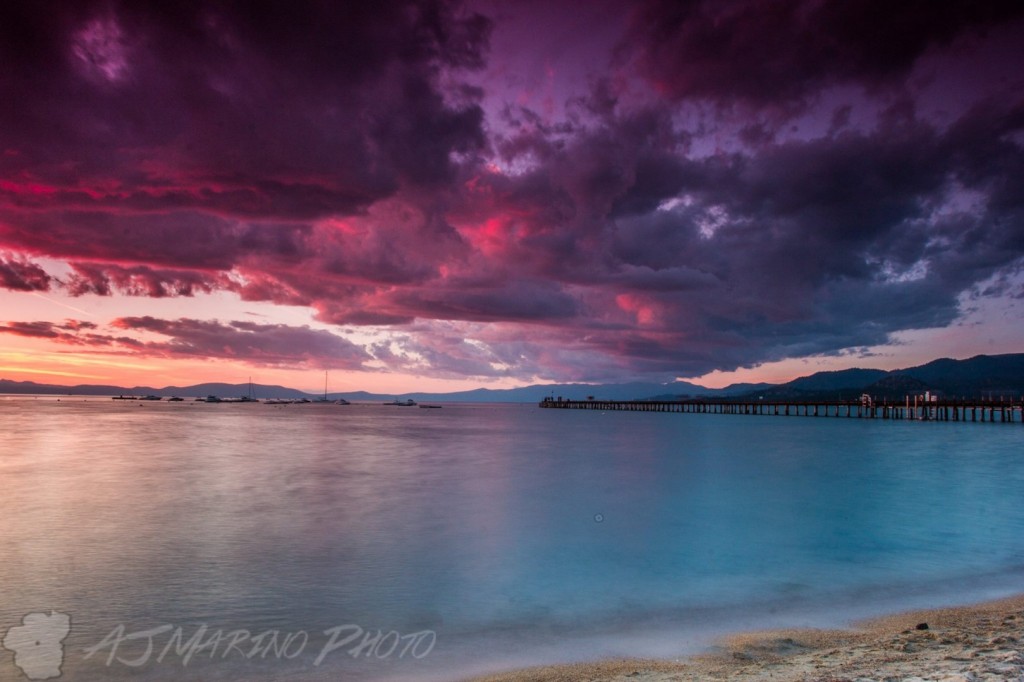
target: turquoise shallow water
479 536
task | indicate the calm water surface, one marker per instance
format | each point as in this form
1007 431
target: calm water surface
485 536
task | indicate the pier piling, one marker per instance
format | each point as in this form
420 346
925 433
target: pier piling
931 411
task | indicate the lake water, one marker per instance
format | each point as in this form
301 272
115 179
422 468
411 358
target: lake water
476 537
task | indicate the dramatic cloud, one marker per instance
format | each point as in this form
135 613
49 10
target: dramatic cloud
782 51
260 344
139 280
72 332
728 184
18 274
290 111
271 345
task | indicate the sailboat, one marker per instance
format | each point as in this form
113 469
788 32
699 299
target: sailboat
249 398
241 399
324 400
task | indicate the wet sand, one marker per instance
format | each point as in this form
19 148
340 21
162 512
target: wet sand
965 644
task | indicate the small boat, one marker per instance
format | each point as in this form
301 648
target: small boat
324 400
402 403
211 399
151 397
124 397
430 407
175 399
249 398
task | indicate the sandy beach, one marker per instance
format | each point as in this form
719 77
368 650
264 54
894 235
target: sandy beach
966 644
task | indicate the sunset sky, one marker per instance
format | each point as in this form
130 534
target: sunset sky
440 196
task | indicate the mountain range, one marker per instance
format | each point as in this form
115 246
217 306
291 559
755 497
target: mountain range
980 376
989 376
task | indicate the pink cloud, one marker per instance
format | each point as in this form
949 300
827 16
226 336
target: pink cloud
140 280
340 159
256 344
268 345
19 274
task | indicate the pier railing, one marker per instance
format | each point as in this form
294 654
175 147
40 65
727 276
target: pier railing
938 411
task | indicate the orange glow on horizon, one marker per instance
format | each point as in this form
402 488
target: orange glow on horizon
63 368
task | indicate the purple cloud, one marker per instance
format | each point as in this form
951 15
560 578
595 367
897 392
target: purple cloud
737 183
19 274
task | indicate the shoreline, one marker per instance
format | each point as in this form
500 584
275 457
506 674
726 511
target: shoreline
982 641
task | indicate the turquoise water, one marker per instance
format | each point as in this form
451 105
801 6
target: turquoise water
480 536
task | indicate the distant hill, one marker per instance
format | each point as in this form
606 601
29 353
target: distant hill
896 386
628 391
834 381
219 389
980 376
841 383
231 391
525 394
535 393
725 392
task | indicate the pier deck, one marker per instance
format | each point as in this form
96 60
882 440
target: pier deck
939 411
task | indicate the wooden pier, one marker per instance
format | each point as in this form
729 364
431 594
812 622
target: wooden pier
981 411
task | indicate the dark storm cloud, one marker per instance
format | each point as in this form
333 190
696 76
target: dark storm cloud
266 110
521 301
181 239
332 156
804 247
781 51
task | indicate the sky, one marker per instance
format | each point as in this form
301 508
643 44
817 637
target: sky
423 195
